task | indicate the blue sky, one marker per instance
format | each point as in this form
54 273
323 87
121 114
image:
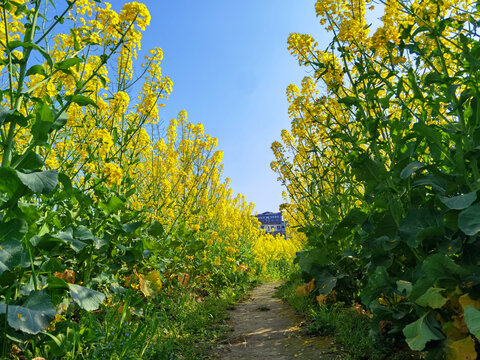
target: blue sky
229 64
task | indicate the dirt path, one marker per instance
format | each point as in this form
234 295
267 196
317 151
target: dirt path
266 328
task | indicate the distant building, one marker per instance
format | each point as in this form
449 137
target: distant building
272 223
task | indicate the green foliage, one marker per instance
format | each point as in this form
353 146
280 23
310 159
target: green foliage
351 328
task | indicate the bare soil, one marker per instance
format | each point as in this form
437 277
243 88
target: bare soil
265 328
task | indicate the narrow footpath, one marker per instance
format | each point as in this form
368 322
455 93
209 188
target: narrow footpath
266 328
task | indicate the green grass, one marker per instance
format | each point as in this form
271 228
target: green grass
197 326
176 325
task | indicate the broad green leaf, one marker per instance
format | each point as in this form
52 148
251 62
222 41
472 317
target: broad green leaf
349 100
10 255
324 281
88 299
66 182
67 63
368 169
59 121
36 69
420 224
156 229
308 258
406 286
81 100
31 161
432 298
39 182
9 181
57 283
439 266
421 331
438 185
472 319
33 316
429 132
459 202
13 229
43 122
469 220
67 237
30 212
83 233
30 45
379 282
411 168
112 205
420 287
433 77
413 82
131 227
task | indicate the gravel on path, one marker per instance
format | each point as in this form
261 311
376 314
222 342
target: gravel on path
266 328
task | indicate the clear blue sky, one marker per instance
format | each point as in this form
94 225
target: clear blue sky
229 64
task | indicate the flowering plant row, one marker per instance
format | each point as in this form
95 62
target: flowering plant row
381 168
99 209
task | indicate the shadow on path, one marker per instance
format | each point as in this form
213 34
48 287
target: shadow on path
266 328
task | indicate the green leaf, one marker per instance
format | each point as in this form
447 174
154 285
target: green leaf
83 233
379 282
307 259
9 181
432 78
420 224
420 332
57 283
30 45
43 122
39 182
324 280
439 266
67 237
36 69
31 161
156 229
131 227
60 121
368 169
33 316
406 286
429 132
432 298
88 299
13 229
472 319
67 63
349 100
112 205
459 202
438 185
81 100
10 255
413 81
469 220
411 168
66 182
